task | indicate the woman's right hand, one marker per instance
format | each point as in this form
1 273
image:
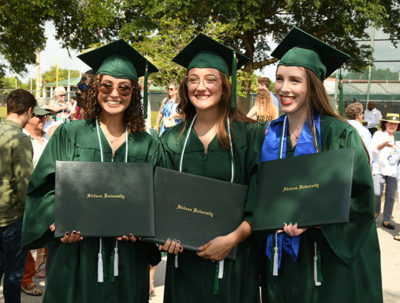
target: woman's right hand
385 144
74 237
293 230
171 246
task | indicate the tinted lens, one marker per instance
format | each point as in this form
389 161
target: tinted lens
107 89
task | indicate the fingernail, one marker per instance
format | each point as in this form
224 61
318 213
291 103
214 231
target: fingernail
295 223
73 232
66 233
168 239
130 235
290 223
178 241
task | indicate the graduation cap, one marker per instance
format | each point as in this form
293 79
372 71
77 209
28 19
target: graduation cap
120 60
299 48
204 52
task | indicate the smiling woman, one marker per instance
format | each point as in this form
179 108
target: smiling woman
217 141
96 269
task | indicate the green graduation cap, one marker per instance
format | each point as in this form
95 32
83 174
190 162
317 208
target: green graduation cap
299 48
120 60
204 52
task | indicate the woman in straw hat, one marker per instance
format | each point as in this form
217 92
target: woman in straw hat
382 146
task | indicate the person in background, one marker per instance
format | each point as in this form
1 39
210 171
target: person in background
82 88
394 159
75 113
167 114
59 106
264 109
372 117
15 170
34 130
355 112
382 146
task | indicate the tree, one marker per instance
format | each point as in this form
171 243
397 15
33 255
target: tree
161 28
50 75
22 31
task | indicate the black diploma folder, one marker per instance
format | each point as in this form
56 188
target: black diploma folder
311 190
104 199
195 209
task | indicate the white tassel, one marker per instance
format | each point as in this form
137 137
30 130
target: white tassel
116 259
100 277
276 257
316 266
176 261
221 270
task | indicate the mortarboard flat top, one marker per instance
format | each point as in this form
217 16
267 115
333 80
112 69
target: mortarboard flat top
118 59
204 52
299 48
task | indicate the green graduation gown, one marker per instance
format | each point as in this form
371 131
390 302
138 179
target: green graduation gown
193 280
350 254
73 271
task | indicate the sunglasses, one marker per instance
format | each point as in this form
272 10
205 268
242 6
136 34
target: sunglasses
123 90
82 87
62 95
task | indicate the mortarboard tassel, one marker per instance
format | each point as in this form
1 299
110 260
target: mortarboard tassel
221 270
234 68
276 256
317 266
176 261
100 277
116 259
145 92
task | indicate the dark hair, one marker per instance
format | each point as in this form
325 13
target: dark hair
85 79
264 80
383 125
133 115
186 108
19 101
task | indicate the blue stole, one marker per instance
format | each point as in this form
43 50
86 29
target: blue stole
274 148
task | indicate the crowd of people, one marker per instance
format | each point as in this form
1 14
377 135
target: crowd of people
200 131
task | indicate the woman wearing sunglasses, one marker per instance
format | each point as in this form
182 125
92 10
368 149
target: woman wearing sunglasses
217 141
96 269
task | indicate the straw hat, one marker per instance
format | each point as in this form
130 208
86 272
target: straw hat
390 117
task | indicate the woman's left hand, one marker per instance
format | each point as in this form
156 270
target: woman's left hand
217 249
293 230
130 238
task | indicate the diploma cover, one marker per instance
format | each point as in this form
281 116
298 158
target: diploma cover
311 190
195 209
396 136
104 199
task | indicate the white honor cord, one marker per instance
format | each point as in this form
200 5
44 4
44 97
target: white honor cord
221 263
100 277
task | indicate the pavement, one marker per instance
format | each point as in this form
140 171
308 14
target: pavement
390 257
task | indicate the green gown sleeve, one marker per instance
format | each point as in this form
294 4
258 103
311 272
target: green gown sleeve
39 210
347 239
255 139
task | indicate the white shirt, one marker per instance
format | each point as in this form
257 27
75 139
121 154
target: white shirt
365 136
372 117
381 163
38 148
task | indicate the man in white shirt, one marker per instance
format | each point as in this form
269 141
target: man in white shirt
354 112
372 117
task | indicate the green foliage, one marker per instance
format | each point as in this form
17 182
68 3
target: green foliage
50 75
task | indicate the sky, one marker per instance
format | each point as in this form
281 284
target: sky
53 49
